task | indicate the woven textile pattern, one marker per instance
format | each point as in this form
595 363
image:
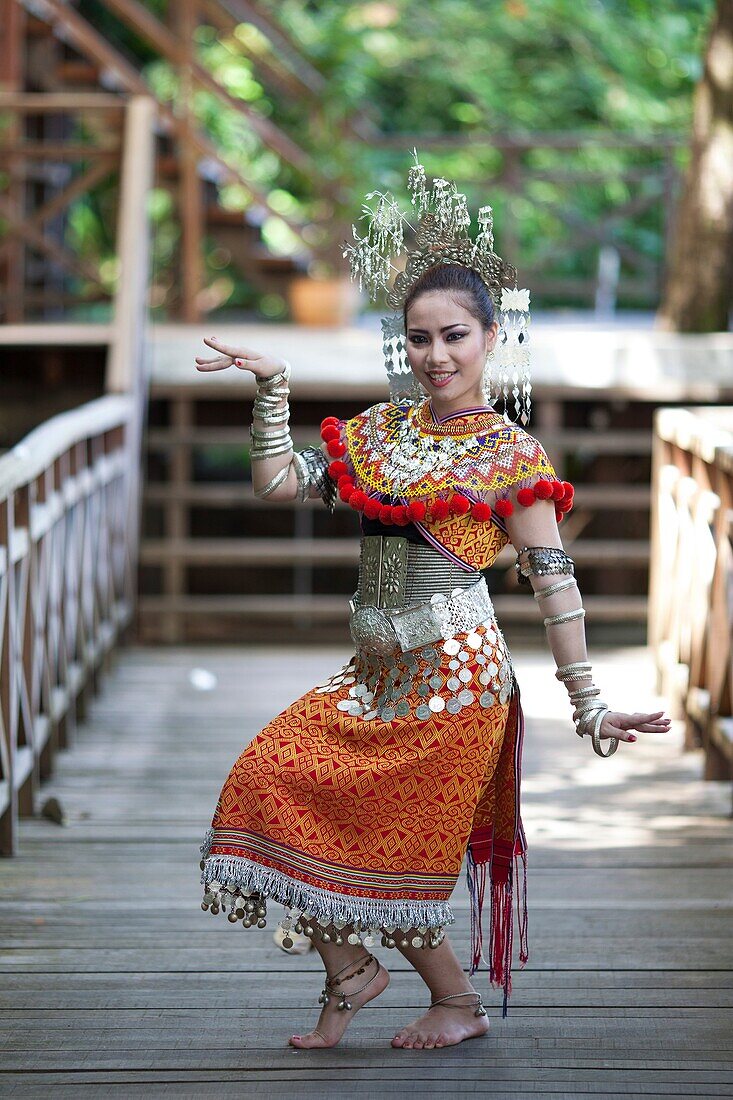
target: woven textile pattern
389 798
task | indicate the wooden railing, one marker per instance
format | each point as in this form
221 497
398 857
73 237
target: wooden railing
691 576
67 585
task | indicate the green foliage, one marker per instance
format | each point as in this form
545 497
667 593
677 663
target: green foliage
586 80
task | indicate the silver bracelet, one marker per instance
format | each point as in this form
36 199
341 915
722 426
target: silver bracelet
272 420
565 617
581 719
275 381
575 670
558 586
301 473
584 693
259 452
272 437
278 479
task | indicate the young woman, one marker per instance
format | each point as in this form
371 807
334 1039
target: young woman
355 807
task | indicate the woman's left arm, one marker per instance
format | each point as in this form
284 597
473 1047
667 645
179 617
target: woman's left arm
532 531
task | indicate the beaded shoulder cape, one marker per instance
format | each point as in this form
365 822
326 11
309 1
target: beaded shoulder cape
456 479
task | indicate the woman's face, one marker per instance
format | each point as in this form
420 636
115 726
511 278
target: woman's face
447 349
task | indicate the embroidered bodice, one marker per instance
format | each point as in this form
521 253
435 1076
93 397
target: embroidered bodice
453 480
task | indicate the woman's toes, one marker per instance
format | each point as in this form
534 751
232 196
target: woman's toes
440 1041
430 1042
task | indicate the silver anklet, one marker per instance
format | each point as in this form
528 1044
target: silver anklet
328 986
478 1004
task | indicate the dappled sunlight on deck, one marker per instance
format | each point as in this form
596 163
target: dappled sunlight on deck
115 983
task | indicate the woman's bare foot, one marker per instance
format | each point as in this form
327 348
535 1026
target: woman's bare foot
442 1026
333 1021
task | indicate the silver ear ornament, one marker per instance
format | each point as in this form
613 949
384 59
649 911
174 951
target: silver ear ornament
441 237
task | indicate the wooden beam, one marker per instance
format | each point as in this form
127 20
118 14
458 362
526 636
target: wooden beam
54 150
12 45
12 60
125 361
43 103
49 248
78 186
190 197
74 29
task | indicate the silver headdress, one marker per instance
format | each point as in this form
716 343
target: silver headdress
442 237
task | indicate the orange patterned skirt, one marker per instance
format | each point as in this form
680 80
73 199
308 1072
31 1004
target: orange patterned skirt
356 805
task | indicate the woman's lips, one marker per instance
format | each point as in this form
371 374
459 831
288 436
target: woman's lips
440 379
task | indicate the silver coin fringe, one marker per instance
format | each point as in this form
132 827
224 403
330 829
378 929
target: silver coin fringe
243 887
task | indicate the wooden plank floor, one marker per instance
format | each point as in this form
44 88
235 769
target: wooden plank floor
115 984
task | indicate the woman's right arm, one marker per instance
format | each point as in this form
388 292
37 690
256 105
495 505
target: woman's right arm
277 473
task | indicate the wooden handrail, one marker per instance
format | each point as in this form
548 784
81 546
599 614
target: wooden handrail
691 575
45 444
66 584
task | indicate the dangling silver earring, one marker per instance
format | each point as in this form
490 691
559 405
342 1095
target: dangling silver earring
487 380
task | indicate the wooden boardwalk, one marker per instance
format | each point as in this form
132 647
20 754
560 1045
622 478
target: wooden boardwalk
115 984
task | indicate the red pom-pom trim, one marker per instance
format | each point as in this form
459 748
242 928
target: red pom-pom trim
503 507
481 511
416 510
559 516
399 515
564 505
345 492
337 469
336 448
526 497
558 490
372 508
357 500
385 515
569 490
329 432
330 420
345 479
459 504
439 509
542 489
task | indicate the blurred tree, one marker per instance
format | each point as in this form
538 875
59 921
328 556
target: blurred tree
699 289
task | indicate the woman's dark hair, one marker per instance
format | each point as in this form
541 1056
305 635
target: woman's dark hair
458 280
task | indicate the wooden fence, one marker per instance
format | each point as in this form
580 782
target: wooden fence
691 575
67 583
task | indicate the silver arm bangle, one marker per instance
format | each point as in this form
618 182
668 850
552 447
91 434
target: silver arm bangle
584 693
565 617
259 452
558 586
275 381
575 670
269 437
301 472
278 479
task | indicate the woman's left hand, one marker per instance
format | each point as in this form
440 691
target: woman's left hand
618 724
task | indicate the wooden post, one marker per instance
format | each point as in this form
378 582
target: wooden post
190 197
126 364
12 27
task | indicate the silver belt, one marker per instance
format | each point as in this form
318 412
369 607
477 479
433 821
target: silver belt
408 596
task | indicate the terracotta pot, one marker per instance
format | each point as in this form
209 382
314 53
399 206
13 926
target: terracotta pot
326 302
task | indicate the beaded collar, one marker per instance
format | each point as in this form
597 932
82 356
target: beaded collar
466 422
465 464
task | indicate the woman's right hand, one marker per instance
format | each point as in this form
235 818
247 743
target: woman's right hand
262 366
